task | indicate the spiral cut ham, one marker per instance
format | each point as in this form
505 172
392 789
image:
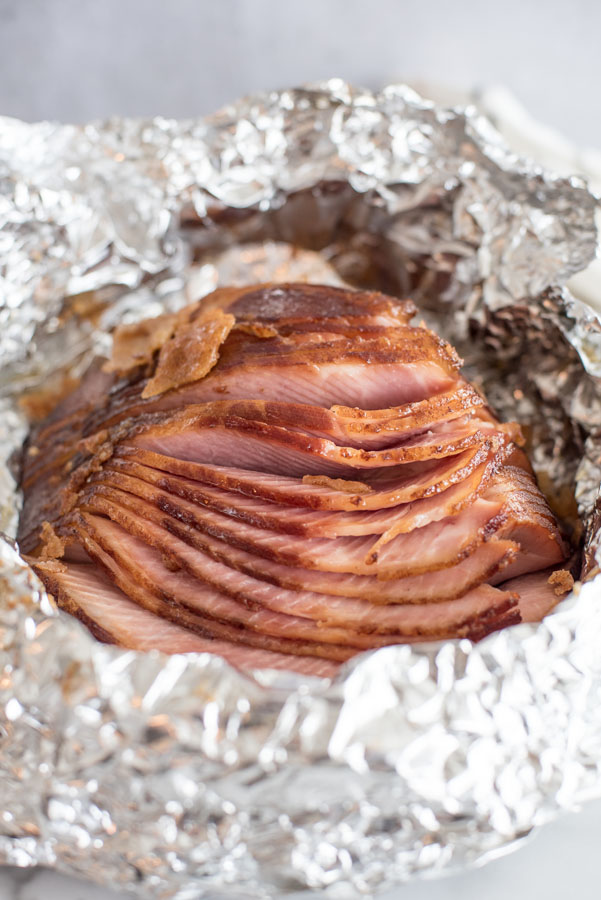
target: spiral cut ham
286 476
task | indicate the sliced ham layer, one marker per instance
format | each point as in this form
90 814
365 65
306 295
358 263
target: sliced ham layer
360 624
140 519
343 426
440 544
133 581
312 523
313 303
378 489
384 428
381 384
195 435
537 597
402 367
505 509
128 558
357 434
304 309
207 626
114 618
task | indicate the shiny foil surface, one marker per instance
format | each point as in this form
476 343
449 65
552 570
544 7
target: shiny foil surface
182 777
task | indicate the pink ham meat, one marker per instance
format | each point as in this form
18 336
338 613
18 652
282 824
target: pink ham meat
437 546
486 562
507 508
127 558
197 435
352 427
407 367
403 517
113 618
378 488
537 595
343 425
280 424
304 309
316 479
260 445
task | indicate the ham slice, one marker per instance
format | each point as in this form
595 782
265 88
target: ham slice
504 511
304 306
313 369
360 429
378 489
315 304
537 594
125 399
405 366
287 476
347 427
113 618
197 435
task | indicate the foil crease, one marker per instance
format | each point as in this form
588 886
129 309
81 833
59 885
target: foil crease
181 777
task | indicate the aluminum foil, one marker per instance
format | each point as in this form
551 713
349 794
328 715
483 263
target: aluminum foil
181 777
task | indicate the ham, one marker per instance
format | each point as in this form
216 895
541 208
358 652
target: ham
316 304
378 489
486 562
129 558
405 366
381 430
341 425
354 427
113 618
403 517
438 546
537 592
287 476
199 433
306 306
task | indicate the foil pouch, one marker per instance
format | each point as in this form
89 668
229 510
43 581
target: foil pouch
181 777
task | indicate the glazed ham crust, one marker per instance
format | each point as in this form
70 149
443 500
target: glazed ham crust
286 476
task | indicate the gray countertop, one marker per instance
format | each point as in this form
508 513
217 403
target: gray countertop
79 60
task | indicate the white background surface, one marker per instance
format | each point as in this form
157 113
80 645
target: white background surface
79 59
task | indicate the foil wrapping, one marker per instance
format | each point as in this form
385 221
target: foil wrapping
182 777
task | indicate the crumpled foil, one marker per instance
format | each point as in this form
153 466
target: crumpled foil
182 777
